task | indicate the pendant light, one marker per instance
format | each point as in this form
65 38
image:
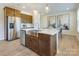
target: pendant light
46 8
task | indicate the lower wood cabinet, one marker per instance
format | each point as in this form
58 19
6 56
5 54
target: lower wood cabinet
28 41
42 44
26 18
32 43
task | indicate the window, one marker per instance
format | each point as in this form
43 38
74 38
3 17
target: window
60 20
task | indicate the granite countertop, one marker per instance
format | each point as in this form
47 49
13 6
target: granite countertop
44 31
49 31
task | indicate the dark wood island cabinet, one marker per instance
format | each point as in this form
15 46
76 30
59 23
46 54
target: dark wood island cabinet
42 44
32 43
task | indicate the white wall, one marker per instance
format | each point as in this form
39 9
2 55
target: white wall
43 21
36 19
1 24
78 20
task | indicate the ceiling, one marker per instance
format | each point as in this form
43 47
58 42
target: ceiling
40 7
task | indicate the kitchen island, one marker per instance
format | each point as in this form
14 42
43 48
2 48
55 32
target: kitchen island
42 41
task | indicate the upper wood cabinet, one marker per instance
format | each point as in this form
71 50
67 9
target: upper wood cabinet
12 12
29 18
17 13
26 18
23 16
9 11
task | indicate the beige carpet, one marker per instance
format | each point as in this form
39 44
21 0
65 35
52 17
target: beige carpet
68 46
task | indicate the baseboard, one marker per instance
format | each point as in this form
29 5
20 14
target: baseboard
2 39
76 36
70 34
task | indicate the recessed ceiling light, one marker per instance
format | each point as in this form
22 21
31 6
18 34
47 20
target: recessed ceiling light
23 7
67 8
35 11
47 8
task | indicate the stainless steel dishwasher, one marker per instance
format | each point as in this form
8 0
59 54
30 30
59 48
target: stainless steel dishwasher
23 37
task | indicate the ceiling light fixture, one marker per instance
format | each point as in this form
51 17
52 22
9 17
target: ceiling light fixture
46 8
23 7
35 11
67 8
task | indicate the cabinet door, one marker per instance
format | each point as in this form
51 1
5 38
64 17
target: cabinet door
34 43
9 11
29 18
44 44
17 13
23 18
27 41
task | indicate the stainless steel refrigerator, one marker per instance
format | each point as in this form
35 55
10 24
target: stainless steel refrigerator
17 26
13 24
